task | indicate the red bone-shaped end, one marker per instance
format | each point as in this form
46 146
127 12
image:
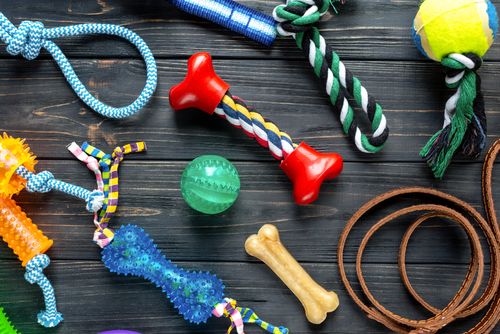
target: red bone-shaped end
307 169
201 88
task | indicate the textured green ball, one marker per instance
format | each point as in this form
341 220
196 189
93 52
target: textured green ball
210 184
442 27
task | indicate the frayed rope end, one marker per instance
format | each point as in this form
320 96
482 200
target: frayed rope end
95 201
49 320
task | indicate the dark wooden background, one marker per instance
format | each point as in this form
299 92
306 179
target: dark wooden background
373 38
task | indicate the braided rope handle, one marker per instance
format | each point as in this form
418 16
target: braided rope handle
464 128
254 125
34 274
30 37
107 181
44 182
296 19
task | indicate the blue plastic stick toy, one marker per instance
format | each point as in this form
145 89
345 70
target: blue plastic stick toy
233 16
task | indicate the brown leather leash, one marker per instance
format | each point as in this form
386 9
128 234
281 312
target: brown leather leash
461 305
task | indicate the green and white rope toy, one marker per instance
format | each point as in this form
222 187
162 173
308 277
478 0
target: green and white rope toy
457 33
296 19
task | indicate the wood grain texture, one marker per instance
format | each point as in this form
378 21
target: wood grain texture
373 39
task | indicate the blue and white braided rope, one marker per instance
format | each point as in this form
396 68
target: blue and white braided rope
34 274
30 37
44 182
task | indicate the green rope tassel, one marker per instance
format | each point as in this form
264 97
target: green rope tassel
464 131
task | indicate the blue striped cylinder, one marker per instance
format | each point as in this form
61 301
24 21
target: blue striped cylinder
233 16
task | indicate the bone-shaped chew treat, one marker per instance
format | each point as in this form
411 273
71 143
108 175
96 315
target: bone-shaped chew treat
267 247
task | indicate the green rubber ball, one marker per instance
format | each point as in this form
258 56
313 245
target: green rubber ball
210 184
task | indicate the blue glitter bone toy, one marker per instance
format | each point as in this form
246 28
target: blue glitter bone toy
196 295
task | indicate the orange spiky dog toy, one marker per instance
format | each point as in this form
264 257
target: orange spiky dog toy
26 240
13 153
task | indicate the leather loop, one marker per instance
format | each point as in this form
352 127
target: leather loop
463 303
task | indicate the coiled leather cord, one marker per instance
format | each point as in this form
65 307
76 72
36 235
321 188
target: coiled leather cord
461 305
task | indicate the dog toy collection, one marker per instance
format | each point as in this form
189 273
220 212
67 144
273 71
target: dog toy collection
456 33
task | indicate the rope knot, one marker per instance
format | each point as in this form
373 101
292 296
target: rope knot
240 315
92 164
456 64
34 268
34 274
95 201
39 182
103 236
118 153
228 308
27 40
298 16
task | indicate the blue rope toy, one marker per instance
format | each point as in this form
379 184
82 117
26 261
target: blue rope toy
30 37
44 182
50 317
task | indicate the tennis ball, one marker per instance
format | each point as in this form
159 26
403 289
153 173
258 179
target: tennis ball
442 27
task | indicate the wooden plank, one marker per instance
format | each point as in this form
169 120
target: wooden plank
372 38
412 95
150 197
93 300
369 30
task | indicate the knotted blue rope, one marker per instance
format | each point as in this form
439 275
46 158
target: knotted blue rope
30 37
233 16
44 182
34 274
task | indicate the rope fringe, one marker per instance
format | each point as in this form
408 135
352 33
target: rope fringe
34 274
464 128
239 316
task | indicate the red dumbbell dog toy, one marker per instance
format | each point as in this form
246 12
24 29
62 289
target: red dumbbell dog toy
305 167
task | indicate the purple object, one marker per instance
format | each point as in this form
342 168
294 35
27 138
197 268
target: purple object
119 332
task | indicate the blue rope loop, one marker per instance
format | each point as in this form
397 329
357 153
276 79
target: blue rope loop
30 37
44 182
34 274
